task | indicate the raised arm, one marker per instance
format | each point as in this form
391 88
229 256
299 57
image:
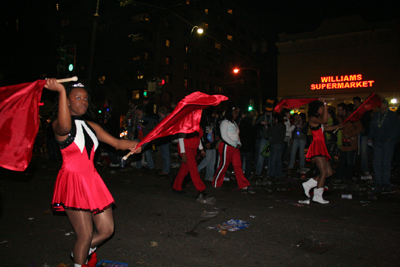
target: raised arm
62 124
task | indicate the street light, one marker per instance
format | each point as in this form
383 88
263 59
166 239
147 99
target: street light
199 31
237 70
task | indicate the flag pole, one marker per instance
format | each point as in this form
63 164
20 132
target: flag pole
72 79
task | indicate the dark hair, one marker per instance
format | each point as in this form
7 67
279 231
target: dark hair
357 98
350 107
313 108
229 113
343 106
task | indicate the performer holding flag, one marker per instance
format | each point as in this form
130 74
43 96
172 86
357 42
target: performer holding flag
317 118
79 189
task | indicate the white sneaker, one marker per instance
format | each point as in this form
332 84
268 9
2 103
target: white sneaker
366 177
114 165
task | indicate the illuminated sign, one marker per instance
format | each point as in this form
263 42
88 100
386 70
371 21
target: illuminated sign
342 82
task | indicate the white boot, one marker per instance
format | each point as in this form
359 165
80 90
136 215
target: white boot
308 185
318 196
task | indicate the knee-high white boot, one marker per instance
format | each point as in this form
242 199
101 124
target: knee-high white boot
308 185
318 196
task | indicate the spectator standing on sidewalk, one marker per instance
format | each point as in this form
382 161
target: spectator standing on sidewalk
247 137
277 142
208 141
383 134
299 141
363 138
289 123
145 124
350 132
164 145
262 123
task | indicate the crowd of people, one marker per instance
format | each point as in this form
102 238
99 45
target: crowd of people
269 145
254 146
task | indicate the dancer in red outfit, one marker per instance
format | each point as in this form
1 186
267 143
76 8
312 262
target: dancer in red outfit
79 189
318 118
229 152
187 149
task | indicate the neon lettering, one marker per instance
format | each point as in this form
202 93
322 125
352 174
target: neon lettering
342 82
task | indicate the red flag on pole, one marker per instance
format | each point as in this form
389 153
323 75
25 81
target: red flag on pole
370 103
185 118
292 103
19 123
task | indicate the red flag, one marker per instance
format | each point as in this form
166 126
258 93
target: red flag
292 103
19 123
370 103
185 118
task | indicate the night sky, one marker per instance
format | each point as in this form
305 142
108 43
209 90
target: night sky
25 53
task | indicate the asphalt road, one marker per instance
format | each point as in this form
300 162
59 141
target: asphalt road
155 227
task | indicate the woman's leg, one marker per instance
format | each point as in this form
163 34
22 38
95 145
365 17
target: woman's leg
225 158
104 223
325 170
237 166
83 226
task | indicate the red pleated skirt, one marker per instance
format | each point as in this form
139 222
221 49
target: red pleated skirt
81 192
317 149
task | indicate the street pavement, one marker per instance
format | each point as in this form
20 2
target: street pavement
156 227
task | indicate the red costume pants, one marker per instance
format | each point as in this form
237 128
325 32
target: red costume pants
190 166
227 155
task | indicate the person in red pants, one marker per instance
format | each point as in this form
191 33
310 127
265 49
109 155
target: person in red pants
187 149
229 152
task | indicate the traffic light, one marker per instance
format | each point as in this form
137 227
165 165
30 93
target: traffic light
71 59
159 85
61 64
251 105
145 93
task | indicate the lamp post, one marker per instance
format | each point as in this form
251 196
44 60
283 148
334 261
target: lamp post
199 31
92 45
237 70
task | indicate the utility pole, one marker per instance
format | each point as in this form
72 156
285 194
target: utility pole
93 42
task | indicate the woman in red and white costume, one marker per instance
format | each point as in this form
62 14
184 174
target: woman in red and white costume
229 152
318 119
79 189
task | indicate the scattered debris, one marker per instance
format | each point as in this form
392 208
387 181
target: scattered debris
231 225
105 263
306 201
209 214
